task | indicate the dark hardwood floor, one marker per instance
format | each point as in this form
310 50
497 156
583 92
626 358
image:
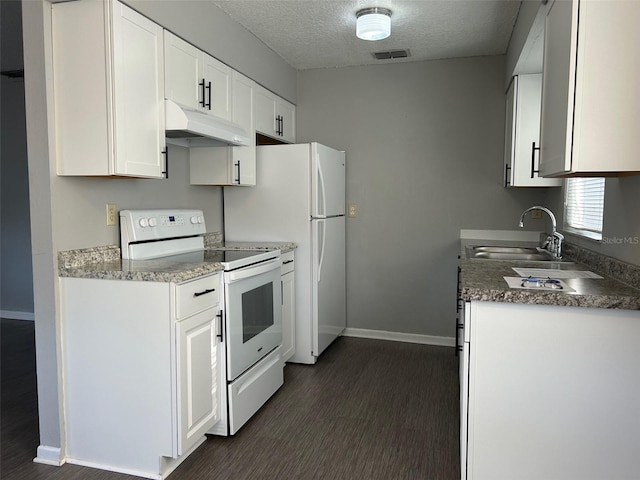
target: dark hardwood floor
368 409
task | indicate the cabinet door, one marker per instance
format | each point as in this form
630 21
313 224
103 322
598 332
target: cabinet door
558 87
217 89
244 158
265 112
138 78
509 132
287 113
526 91
183 72
198 403
288 316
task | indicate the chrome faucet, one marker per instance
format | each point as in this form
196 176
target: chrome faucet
554 241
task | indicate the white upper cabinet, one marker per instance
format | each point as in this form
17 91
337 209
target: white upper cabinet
108 66
230 165
195 79
590 96
275 117
523 132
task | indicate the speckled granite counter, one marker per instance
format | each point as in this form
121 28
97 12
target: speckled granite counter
482 279
259 246
105 263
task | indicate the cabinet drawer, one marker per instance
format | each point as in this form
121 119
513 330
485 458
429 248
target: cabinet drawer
197 295
287 262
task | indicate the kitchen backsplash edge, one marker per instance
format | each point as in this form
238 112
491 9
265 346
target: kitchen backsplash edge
622 271
84 256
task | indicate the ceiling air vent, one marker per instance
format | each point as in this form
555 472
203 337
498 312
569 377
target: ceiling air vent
391 54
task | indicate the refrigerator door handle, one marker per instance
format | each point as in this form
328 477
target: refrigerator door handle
321 224
321 197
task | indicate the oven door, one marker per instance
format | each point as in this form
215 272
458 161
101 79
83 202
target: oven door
253 314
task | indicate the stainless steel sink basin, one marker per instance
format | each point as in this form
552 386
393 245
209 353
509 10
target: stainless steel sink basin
531 254
532 257
506 249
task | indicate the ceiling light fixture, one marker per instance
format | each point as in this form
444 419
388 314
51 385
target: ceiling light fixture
373 23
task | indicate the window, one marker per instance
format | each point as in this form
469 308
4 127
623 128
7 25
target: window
584 206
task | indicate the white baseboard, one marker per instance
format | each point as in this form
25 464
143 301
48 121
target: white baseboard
49 456
13 315
400 337
110 468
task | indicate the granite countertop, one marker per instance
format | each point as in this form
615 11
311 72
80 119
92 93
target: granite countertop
105 262
483 279
258 246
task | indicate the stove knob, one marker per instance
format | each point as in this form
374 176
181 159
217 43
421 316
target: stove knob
143 222
194 220
200 220
153 222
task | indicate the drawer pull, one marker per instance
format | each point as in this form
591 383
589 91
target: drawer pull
204 292
287 261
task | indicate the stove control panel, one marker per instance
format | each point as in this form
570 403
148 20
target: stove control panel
159 224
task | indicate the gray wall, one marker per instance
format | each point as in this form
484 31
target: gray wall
69 212
621 226
16 282
424 145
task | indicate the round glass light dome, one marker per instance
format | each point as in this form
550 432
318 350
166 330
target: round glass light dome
373 23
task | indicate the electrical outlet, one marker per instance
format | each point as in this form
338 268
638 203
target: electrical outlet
353 210
536 214
112 214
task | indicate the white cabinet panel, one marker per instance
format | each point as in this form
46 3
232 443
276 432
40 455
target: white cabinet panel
265 112
139 93
131 366
590 117
108 91
288 306
198 403
195 79
229 165
217 89
275 117
522 134
553 392
183 71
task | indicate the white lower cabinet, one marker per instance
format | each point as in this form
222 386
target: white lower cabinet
288 306
140 371
549 392
198 402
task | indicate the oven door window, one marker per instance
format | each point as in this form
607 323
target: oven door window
253 318
257 311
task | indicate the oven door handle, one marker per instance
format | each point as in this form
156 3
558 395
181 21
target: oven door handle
231 277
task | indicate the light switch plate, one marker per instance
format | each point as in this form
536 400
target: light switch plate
353 210
112 214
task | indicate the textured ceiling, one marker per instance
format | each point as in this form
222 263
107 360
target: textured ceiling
321 33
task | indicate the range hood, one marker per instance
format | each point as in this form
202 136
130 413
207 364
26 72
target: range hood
191 128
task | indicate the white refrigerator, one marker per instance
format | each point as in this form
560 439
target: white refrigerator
300 197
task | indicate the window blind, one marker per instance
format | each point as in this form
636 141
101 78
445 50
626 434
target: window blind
584 206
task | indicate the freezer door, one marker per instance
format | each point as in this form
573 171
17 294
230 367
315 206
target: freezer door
327 182
329 283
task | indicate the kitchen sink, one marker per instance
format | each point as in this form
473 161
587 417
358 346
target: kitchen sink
506 249
531 254
537 257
